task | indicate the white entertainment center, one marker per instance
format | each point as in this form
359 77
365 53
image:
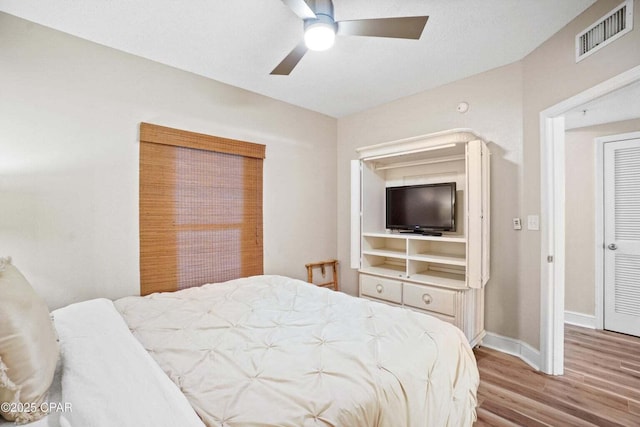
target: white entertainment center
444 276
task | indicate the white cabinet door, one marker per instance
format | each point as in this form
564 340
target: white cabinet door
356 212
486 212
622 236
474 202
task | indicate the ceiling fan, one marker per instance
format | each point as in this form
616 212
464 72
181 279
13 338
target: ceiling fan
320 29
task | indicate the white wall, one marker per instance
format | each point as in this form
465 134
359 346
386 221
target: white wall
579 224
69 116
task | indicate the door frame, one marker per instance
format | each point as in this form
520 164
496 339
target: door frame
599 219
552 185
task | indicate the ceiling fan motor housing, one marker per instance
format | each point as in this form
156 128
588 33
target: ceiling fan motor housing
323 7
320 32
324 15
321 19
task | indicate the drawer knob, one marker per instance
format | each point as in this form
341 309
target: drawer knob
379 288
426 298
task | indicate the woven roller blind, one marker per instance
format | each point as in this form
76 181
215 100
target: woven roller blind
200 209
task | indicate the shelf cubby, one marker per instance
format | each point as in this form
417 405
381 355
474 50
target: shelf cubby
438 251
384 266
382 246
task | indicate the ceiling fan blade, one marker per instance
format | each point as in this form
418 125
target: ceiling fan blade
287 65
409 27
300 8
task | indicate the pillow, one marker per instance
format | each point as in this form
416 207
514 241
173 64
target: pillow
28 347
4 262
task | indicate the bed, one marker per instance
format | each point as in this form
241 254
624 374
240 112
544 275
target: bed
260 351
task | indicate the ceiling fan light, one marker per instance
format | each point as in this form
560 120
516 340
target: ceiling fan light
319 36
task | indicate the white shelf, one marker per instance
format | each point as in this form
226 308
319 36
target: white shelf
436 278
388 270
440 258
386 252
448 280
410 236
385 235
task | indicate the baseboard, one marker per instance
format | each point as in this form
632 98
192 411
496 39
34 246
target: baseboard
514 347
579 319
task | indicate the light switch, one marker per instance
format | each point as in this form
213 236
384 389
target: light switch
533 222
517 224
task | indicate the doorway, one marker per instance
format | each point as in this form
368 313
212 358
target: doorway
553 211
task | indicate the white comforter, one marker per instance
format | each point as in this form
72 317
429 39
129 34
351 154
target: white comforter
273 351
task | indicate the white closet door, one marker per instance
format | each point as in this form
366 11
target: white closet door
622 236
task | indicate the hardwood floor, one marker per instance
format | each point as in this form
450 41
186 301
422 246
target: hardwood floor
601 385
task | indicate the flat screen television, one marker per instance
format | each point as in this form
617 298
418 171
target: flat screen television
422 208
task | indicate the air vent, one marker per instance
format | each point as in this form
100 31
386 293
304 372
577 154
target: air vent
610 27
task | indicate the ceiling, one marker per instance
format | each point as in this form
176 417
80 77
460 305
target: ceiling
622 104
239 42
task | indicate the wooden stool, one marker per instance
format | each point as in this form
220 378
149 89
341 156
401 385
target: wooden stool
333 284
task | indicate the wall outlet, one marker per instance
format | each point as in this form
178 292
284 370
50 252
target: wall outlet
517 224
533 222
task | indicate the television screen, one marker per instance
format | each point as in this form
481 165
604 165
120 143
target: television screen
421 207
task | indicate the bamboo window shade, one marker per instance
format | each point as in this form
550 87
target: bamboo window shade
200 209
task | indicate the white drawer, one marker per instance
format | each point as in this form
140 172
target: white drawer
389 303
442 317
432 299
376 287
